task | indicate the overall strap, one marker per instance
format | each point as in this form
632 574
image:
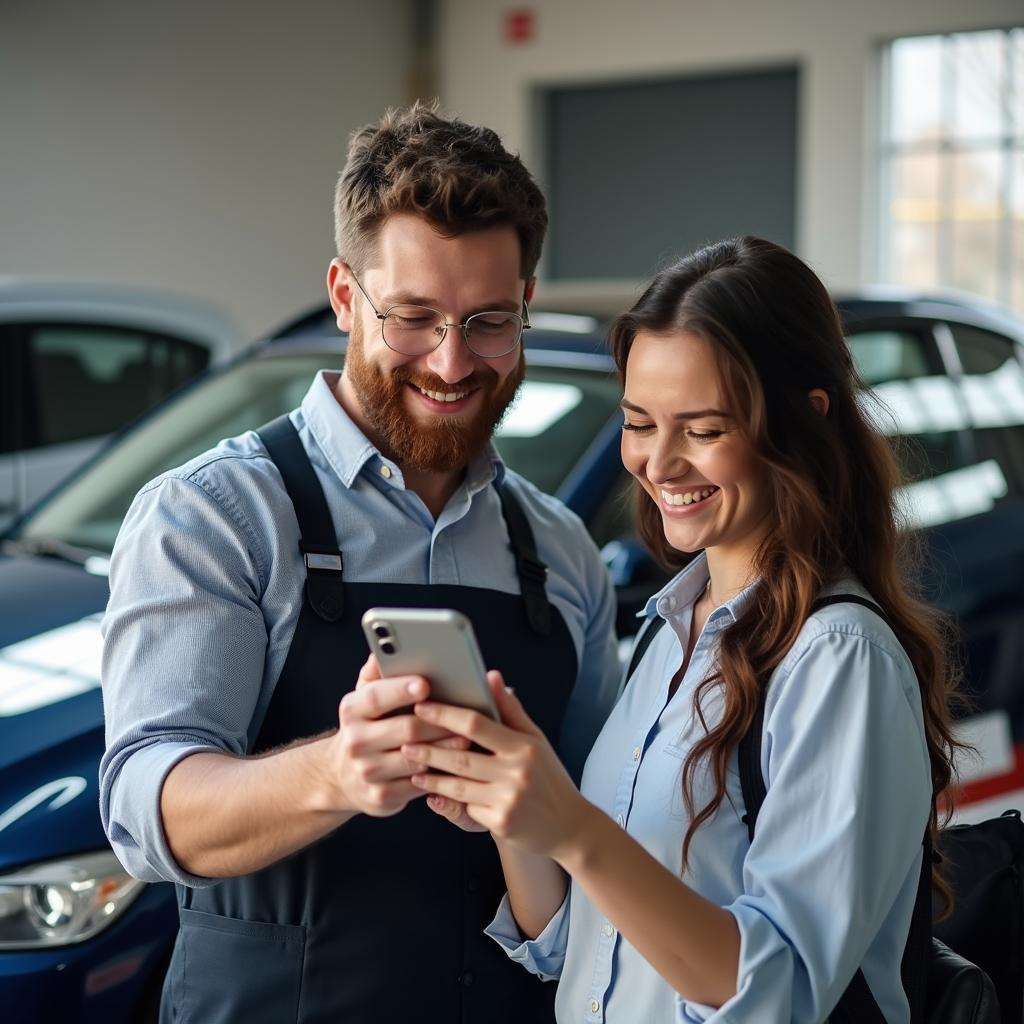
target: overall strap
318 542
532 572
857 1005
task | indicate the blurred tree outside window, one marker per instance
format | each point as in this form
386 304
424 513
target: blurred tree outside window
952 164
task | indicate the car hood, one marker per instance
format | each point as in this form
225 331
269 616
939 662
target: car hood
51 712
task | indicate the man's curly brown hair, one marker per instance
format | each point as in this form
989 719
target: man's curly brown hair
457 176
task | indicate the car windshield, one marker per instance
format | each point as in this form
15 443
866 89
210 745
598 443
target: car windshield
556 416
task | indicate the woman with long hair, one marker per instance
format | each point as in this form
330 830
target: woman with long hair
644 892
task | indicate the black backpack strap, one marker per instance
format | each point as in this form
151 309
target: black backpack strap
751 777
856 1005
917 955
648 632
325 588
824 602
532 572
749 750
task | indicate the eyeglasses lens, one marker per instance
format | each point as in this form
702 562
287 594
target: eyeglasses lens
416 330
413 330
493 334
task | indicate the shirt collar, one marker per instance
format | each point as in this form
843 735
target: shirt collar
682 591
348 449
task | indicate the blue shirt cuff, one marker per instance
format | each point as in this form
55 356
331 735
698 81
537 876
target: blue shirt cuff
544 955
763 977
135 824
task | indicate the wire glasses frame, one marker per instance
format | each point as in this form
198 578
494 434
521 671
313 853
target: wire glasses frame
416 330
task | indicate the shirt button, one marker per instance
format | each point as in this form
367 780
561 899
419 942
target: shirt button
385 471
620 821
473 883
594 1006
608 930
636 753
666 604
466 979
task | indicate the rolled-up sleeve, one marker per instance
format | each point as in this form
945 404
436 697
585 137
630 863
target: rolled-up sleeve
544 955
837 851
184 648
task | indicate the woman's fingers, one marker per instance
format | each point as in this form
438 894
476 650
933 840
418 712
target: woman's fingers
391 733
454 743
512 712
455 812
450 809
464 763
388 767
471 724
451 786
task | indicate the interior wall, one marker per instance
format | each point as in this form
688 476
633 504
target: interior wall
188 145
486 78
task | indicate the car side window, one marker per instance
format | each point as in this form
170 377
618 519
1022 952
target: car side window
916 400
884 355
916 403
993 388
557 414
10 405
86 381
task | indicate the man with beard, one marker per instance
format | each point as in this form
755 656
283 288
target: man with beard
243 761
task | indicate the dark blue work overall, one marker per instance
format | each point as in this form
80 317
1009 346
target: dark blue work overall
381 921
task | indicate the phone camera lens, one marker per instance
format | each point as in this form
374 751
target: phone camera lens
387 647
381 631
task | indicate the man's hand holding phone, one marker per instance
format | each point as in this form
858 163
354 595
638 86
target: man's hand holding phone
365 753
439 643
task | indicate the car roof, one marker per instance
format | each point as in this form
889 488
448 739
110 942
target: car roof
574 338
547 349
150 309
880 303
320 319
575 333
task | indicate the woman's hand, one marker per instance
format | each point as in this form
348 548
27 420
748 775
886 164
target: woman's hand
517 789
455 812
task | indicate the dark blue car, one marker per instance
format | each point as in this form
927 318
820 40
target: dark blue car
81 940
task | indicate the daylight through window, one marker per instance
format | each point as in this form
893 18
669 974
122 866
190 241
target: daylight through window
953 164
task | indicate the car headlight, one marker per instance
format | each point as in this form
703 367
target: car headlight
64 901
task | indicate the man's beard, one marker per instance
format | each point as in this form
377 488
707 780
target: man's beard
443 444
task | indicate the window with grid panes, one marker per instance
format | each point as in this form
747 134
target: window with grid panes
952 164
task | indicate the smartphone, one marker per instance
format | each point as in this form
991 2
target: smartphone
437 643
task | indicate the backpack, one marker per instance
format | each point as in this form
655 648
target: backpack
962 970
984 864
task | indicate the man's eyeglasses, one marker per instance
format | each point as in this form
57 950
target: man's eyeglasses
417 330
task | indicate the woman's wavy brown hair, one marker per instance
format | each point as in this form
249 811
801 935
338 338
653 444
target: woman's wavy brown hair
776 335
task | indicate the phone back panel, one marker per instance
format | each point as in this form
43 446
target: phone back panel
436 643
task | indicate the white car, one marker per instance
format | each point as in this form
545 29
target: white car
78 361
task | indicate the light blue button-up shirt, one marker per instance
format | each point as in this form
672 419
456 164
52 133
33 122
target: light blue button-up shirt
207 583
830 880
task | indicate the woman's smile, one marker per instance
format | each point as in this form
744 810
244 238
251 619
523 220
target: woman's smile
688 502
683 444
